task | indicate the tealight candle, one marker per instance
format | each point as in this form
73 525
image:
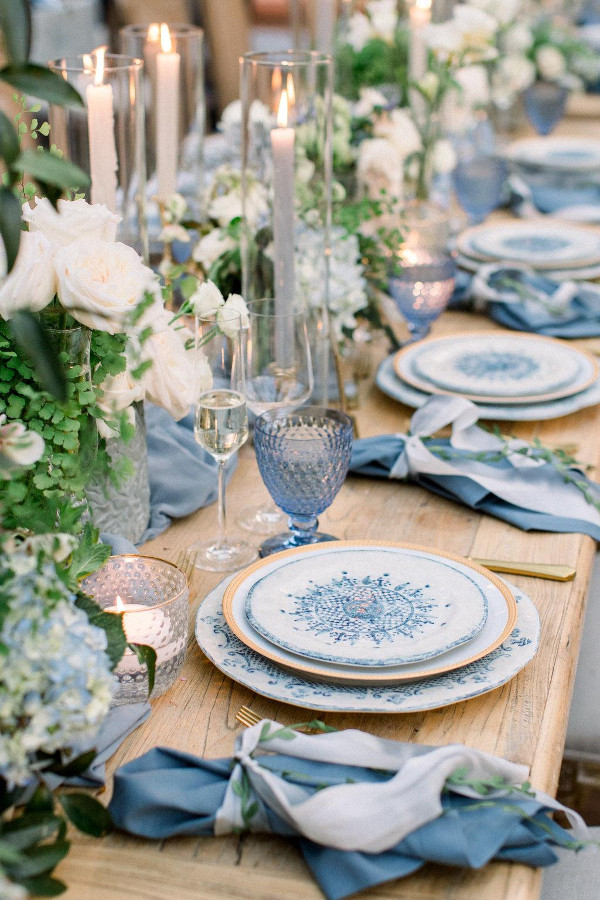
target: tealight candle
141 624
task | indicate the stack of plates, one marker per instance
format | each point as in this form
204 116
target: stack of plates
371 627
509 376
557 249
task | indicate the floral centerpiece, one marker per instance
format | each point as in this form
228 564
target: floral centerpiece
78 279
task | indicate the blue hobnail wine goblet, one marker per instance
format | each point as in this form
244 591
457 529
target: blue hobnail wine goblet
479 185
303 458
545 103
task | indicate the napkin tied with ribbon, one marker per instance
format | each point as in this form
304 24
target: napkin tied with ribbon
365 809
517 487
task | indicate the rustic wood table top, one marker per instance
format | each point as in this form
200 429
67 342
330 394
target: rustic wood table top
525 720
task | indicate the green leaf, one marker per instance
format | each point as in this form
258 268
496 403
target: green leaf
147 656
10 223
29 829
38 81
89 555
41 801
15 25
44 886
110 622
86 814
49 169
75 766
9 142
33 341
39 860
8 854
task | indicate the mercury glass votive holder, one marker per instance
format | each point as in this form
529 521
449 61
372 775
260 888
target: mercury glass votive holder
152 594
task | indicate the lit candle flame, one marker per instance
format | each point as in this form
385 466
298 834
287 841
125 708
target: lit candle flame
99 54
282 112
166 43
154 32
423 4
119 604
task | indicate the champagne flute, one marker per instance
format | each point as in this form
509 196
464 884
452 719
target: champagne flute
221 424
278 376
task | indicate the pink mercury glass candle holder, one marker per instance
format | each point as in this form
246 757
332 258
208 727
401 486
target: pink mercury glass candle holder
152 594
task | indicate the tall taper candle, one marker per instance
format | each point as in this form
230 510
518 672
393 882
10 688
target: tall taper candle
101 135
282 144
167 116
325 15
419 13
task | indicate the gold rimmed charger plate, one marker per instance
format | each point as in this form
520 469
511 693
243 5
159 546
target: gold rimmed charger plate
411 378
332 673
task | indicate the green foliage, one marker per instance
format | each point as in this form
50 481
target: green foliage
147 656
377 63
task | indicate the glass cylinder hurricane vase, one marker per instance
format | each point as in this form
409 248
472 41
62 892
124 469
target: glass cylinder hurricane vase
174 105
106 137
286 189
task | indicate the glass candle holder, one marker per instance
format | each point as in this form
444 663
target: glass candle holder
286 191
106 137
152 594
174 104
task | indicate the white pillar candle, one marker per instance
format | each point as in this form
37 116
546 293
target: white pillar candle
282 144
419 14
101 135
167 116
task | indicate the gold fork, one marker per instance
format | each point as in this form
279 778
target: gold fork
247 717
186 562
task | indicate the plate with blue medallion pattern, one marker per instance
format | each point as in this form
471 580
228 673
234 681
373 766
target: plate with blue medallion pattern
251 669
542 246
497 366
362 604
501 618
559 154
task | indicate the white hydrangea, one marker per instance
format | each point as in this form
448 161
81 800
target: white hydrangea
223 201
347 284
55 681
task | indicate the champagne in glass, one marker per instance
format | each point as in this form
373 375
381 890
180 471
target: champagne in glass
220 426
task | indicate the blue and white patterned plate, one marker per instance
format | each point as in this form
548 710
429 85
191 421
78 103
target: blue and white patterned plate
249 668
388 381
562 154
494 366
542 246
501 618
364 604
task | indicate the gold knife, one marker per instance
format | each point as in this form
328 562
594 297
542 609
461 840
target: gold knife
534 570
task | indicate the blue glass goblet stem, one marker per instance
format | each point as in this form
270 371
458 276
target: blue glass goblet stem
303 458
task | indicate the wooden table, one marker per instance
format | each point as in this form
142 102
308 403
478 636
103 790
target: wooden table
524 721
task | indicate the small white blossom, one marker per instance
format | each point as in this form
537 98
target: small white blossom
175 208
550 62
210 247
359 31
18 446
369 99
443 157
174 232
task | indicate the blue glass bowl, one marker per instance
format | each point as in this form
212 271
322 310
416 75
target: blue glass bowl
303 458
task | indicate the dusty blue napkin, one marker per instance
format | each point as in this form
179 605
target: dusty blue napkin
528 493
524 300
183 477
308 792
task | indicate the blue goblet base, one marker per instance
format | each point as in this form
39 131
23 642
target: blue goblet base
289 541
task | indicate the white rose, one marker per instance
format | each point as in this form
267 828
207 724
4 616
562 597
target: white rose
443 157
120 391
229 319
399 129
550 62
444 38
359 31
169 382
512 75
384 18
237 303
174 232
74 221
380 168
517 38
206 300
100 284
175 208
211 246
32 281
369 99
475 85
20 446
225 207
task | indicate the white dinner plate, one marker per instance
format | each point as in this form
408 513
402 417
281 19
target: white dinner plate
251 669
470 264
497 367
388 381
499 623
542 245
563 154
